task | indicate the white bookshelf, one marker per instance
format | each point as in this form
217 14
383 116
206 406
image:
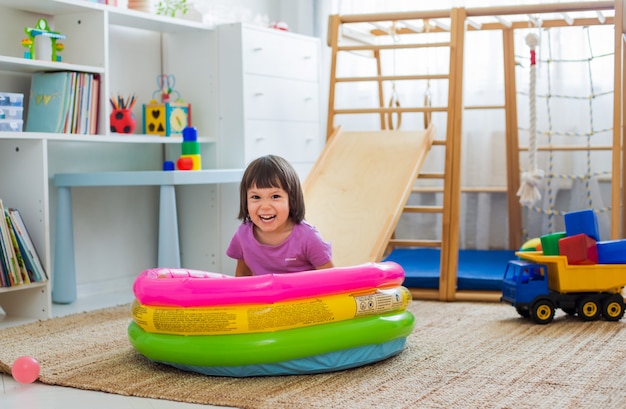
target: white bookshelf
129 49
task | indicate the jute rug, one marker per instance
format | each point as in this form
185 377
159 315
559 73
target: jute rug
461 355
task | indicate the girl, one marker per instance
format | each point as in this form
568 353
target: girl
274 237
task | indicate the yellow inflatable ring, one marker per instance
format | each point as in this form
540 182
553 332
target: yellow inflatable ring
238 319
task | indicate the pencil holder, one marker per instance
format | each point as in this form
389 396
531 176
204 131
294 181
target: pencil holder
123 121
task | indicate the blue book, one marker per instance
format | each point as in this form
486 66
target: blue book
50 95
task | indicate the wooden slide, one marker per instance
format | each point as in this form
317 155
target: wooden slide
357 189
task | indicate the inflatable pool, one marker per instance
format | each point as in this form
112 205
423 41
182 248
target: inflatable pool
276 324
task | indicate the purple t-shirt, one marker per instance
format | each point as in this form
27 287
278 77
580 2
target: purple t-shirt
303 250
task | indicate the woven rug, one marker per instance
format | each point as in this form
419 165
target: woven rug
461 355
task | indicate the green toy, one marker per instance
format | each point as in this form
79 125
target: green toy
42 42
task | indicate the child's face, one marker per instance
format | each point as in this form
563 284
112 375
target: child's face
269 208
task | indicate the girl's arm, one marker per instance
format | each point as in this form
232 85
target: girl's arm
242 269
327 265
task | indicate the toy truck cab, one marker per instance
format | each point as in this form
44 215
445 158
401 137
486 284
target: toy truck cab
523 284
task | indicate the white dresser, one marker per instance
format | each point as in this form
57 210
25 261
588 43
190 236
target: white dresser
269 96
268 103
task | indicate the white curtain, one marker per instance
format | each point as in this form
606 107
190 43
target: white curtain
574 102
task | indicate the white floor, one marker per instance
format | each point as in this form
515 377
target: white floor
14 395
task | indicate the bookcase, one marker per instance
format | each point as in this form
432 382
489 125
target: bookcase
115 233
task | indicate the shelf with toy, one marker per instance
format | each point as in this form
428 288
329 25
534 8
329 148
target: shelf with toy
22 65
117 15
112 138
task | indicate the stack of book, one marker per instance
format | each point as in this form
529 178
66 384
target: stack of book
19 261
63 102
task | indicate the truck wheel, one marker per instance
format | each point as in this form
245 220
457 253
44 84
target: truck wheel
588 309
542 312
613 308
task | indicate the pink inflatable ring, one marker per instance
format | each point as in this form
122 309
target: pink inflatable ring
193 288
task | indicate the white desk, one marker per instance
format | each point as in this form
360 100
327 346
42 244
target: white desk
64 272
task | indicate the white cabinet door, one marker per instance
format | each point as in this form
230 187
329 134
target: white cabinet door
298 141
281 99
278 54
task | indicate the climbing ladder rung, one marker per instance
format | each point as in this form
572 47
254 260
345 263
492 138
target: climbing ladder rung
383 110
375 47
486 107
423 209
428 175
393 78
414 243
467 189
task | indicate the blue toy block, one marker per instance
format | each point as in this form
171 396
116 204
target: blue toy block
612 251
582 221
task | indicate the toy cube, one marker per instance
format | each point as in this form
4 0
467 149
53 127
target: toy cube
168 119
579 249
612 251
550 243
582 221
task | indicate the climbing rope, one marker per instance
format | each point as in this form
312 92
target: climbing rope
529 190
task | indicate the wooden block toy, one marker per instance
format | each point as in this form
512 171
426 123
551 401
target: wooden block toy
579 249
612 251
582 221
166 119
550 243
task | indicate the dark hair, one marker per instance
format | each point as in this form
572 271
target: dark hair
272 171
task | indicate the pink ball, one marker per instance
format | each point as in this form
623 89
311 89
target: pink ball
25 369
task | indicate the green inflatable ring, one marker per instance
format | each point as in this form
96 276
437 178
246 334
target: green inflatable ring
270 347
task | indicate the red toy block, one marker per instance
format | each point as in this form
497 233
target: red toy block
184 163
579 249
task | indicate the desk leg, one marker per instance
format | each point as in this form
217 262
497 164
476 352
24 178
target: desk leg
169 249
64 273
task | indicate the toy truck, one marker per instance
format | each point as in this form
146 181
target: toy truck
538 284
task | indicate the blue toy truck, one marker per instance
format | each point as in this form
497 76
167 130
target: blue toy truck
538 284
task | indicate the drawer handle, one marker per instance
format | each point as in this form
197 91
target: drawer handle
308 98
258 94
307 57
257 49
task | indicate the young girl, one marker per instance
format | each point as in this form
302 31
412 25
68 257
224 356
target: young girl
274 237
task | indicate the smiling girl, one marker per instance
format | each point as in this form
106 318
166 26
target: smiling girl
274 237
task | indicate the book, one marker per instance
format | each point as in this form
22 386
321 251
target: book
69 107
30 254
50 93
64 102
24 276
8 250
5 281
95 93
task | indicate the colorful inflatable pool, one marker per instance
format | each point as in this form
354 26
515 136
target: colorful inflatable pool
277 324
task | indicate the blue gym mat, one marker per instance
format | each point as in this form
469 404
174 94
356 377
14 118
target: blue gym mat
478 269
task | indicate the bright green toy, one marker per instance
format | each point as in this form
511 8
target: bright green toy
42 42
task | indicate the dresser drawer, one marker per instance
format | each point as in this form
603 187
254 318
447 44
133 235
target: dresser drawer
298 142
280 99
278 54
